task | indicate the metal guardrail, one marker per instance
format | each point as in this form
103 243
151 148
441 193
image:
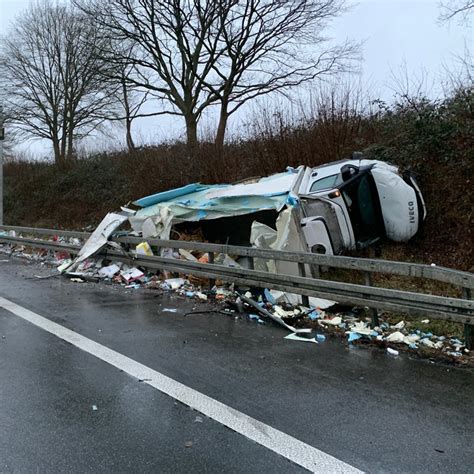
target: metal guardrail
438 307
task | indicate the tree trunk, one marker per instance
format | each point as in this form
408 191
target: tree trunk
128 117
129 138
191 171
70 144
191 133
221 129
57 153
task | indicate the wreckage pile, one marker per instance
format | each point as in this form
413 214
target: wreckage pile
309 324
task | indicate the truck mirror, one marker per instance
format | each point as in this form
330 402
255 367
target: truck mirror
348 172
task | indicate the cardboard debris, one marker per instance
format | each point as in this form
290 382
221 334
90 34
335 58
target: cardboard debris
132 274
109 271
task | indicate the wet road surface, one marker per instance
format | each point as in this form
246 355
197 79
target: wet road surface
366 409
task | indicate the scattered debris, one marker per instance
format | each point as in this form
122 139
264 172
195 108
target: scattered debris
312 323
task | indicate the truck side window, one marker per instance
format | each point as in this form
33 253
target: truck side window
328 182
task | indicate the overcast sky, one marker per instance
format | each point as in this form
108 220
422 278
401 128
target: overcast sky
394 32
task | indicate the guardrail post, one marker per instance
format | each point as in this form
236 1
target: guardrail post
468 331
302 272
373 311
212 281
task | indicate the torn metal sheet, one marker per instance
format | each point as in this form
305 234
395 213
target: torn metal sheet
101 234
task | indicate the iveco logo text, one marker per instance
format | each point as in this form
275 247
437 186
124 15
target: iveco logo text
411 211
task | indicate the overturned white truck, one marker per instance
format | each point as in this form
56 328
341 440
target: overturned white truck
329 209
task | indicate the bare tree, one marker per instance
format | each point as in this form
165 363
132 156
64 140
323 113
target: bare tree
196 53
271 46
456 8
52 70
170 58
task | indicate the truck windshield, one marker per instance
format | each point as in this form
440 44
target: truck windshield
361 198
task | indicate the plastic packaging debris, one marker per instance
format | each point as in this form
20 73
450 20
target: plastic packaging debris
187 255
201 296
175 283
133 286
254 317
110 271
77 280
94 408
169 310
353 336
411 339
314 315
131 275
361 328
332 322
269 297
399 325
320 337
190 294
295 337
434 345
396 336
286 314
227 261
392 352
144 249
425 321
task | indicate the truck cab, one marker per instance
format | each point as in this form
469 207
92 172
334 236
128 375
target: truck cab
353 203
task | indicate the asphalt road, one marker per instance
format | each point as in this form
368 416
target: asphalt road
65 410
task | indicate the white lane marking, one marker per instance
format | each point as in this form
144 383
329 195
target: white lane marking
285 445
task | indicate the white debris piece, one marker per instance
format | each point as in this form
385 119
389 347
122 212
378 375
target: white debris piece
396 336
131 274
110 271
187 255
361 328
411 339
295 337
175 283
332 322
399 325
